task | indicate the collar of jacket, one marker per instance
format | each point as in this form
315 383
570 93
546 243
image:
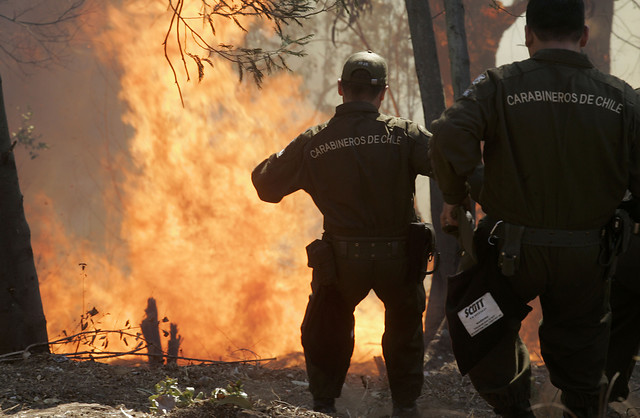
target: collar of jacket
563 56
355 107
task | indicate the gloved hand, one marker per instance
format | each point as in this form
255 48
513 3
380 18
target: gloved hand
449 217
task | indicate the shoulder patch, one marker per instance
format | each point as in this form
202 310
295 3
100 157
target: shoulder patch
479 79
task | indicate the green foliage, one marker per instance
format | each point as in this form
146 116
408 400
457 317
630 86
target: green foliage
168 396
232 394
25 136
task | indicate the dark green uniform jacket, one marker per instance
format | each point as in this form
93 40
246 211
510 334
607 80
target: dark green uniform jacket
540 170
561 147
359 168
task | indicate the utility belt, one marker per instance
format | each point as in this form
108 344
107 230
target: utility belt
367 248
418 247
510 237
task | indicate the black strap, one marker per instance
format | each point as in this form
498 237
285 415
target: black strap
561 238
549 237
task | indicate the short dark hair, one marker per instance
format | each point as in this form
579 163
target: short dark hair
556 19
360 87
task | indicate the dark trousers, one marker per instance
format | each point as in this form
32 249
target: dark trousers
573 334
402 342
625 321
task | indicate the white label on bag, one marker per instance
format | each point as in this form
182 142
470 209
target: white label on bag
483 312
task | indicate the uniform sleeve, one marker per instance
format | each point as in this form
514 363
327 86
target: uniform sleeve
634 180
421 163
279 175
455 147
475 182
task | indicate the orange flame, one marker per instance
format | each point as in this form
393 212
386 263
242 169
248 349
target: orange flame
228 269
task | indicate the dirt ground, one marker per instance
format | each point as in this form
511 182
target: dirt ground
51 386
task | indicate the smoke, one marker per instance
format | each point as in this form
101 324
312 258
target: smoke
140 196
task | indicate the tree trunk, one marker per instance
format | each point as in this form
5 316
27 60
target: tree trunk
426 59
484 26
457 42
599 15
22 320
447 244
433 104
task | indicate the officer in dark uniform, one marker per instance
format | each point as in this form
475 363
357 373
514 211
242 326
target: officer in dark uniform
360 169
624 341
561 147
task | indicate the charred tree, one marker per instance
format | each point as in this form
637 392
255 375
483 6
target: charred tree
22 320
151 333
173 347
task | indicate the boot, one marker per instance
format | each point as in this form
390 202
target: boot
521 409
581 412
405 411
324 405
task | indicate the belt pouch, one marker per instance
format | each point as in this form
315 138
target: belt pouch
509 256
321 259
420 247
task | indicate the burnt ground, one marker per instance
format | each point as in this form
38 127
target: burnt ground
50 386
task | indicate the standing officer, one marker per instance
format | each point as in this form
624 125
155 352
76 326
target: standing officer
624 341
360 169
561 147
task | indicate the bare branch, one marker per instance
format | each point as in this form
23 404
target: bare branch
166 54
71 13
515 10
38 36
625 40
256 61
630 37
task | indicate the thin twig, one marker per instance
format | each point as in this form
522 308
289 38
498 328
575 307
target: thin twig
499 7
63 17
166 56
626 41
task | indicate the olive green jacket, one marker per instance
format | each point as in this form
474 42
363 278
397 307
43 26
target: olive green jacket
359 168
560 142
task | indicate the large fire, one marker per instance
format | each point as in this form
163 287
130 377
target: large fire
184 223
225 267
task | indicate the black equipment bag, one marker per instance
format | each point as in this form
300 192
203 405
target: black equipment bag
482 299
